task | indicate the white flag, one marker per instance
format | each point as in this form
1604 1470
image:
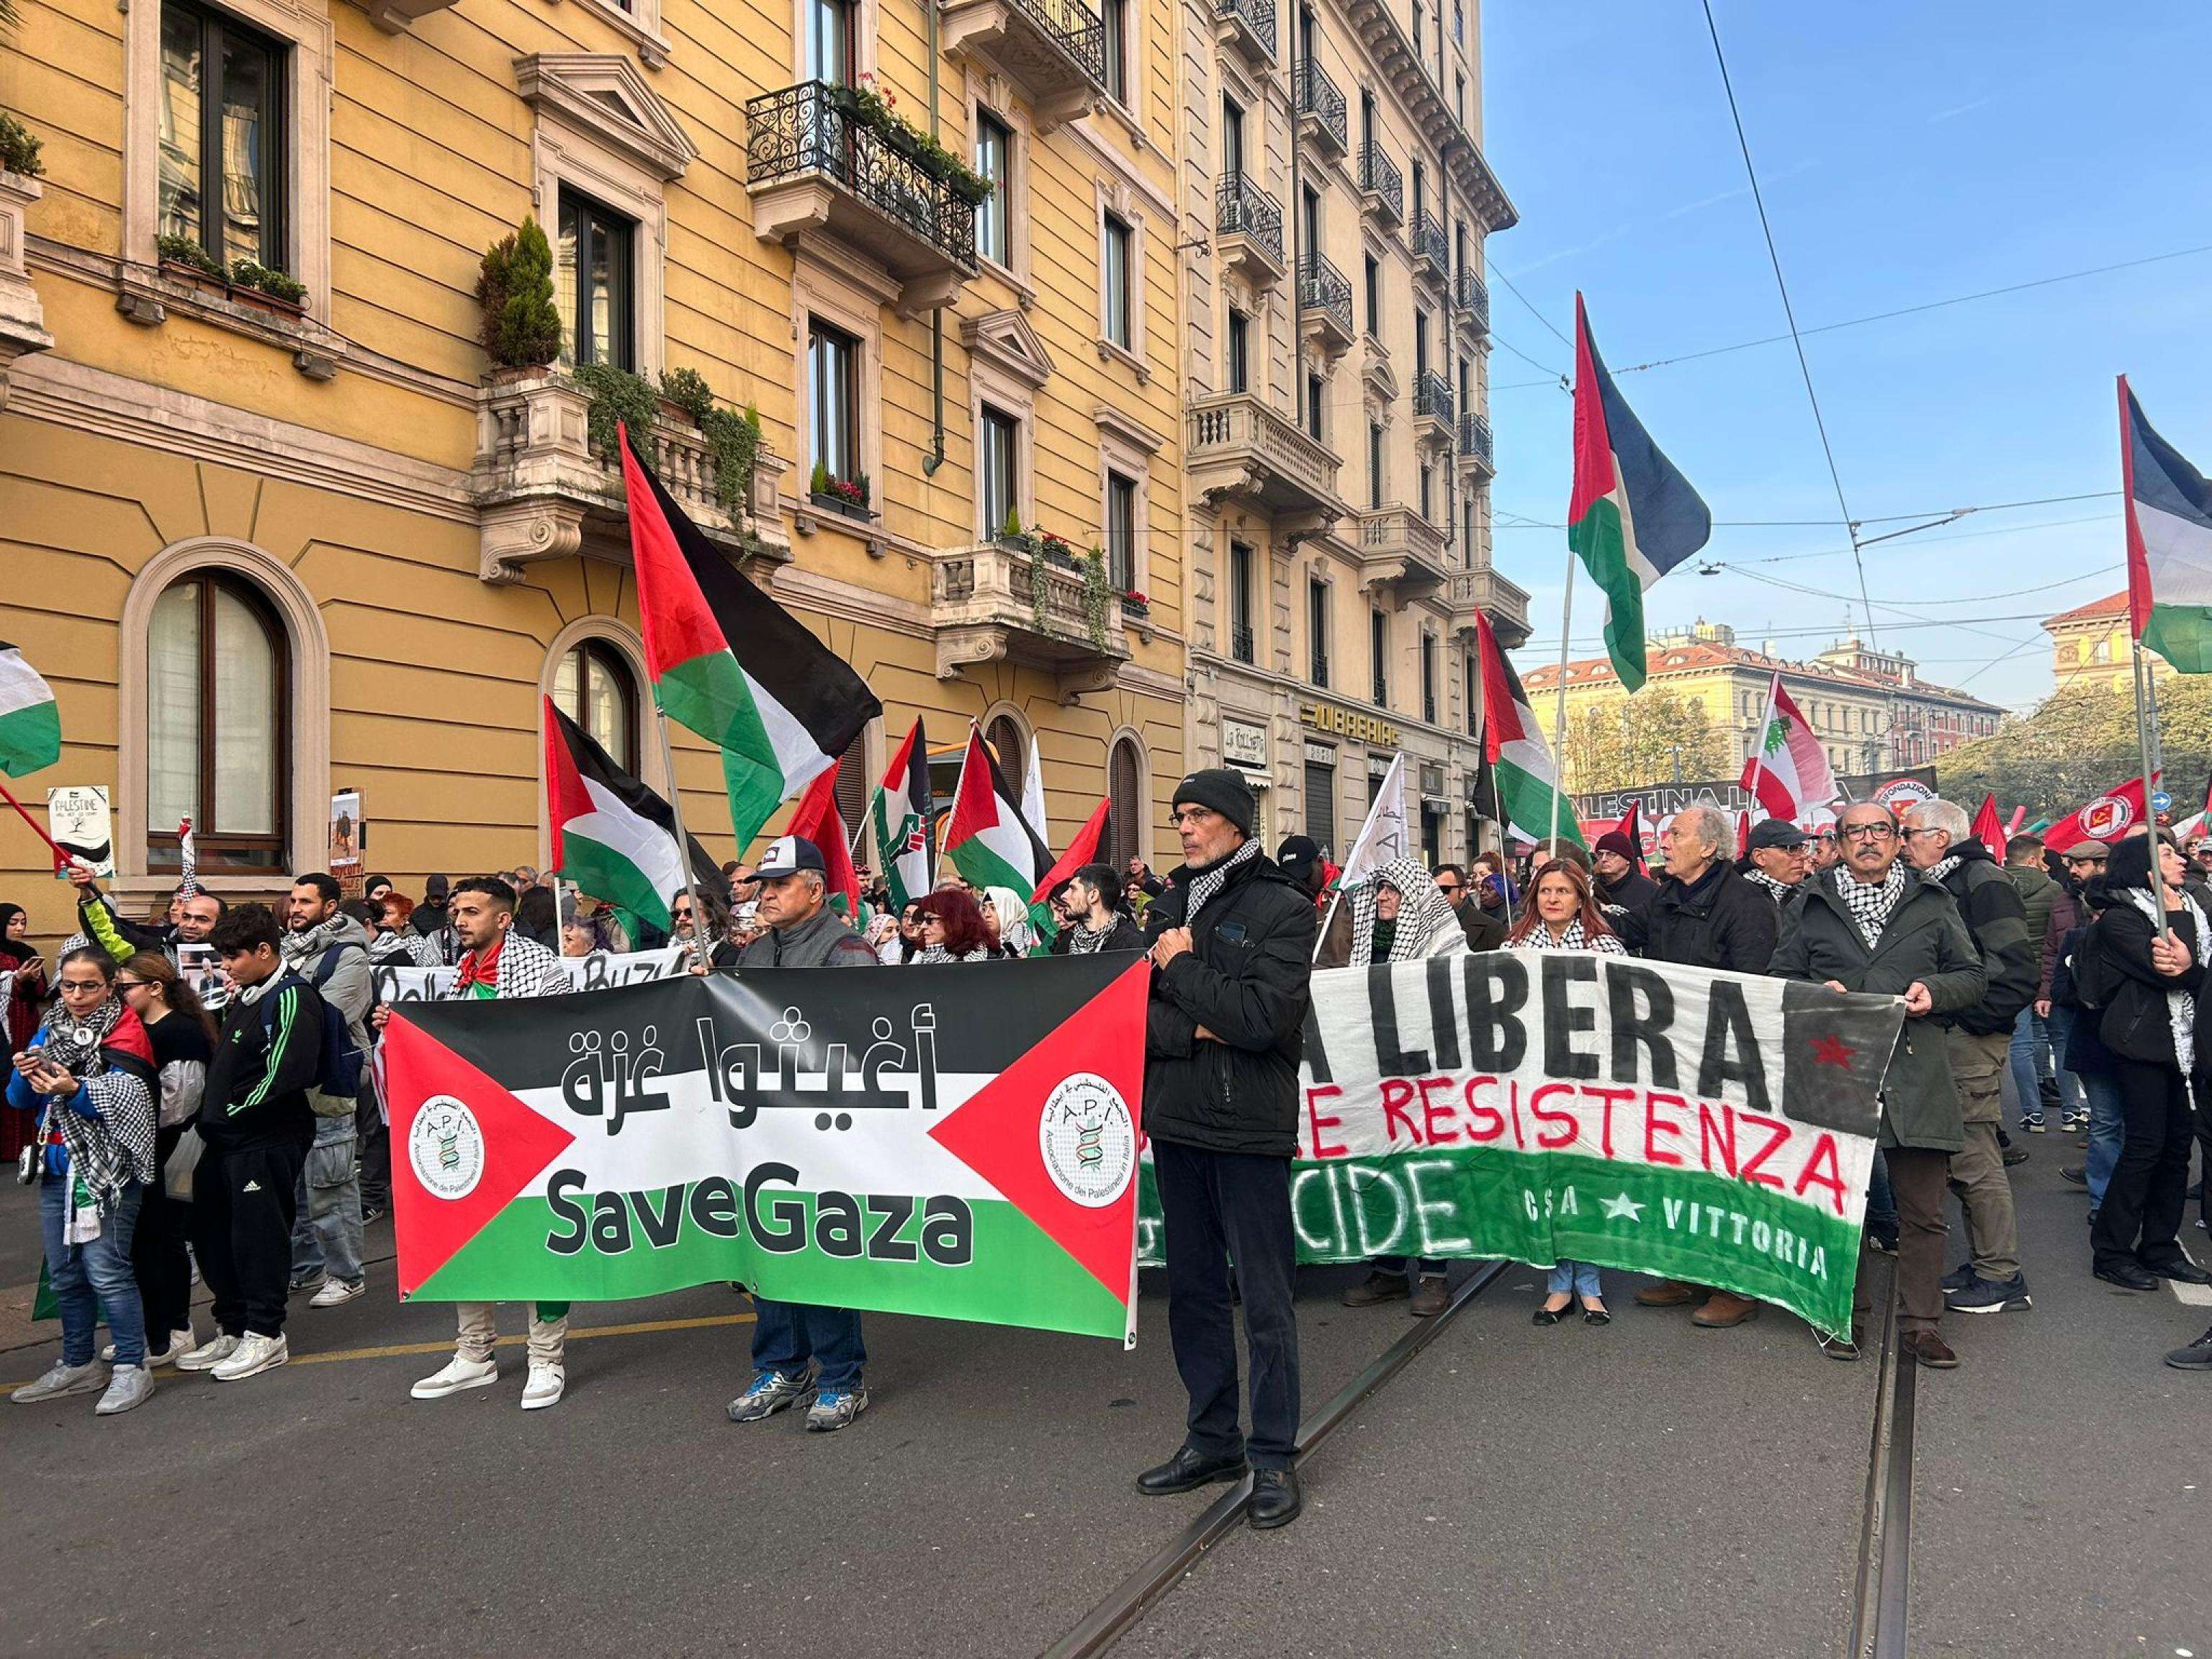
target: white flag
1385 835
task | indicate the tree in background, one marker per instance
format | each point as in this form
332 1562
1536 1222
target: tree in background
2081 741
1655 737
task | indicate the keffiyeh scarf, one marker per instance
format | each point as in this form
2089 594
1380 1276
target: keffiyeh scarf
2180 1007
1084 941
1941 869
1203 885
109 1053
1539 938
1422 909
517 966
936 955
1871 903
1780 890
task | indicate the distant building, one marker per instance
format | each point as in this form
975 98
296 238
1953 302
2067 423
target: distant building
1870 709
2092 645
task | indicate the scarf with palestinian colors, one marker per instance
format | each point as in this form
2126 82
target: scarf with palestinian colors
1422 909
517 966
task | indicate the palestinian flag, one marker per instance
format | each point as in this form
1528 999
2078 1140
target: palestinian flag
1788 773
613 836
732 665
1522 775
1083 850
1633 517
818 819
986 840
30 724
2169 545
901 810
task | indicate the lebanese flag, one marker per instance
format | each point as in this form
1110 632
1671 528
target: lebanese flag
901 808
1989 827
613 836
2106 818
731 664
818 819
1083 850
1522 777
2169 513
986 840
1788 774
1633 517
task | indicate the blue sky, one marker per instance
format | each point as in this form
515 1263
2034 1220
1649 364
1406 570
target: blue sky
1908 152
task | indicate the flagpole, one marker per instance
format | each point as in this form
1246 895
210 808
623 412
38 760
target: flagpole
2143 717
699 948
1559 702
61 859
867 814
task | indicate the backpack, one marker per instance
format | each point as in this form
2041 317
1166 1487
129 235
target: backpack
2091 973
336 1090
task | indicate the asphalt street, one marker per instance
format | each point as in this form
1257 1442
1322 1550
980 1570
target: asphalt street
1642 1488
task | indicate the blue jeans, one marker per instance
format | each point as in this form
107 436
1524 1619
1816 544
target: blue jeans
2060 1026
85 1277
1575 1278
2032 1065
1881 1202
327 1232
2107 1130
786 1335
1424 1268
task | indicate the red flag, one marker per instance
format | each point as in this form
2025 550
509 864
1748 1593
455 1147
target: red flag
819 821
2106 818
1083 850
1989 827
1631 825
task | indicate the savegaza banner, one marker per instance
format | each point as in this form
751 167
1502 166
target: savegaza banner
404 982
1542 1106
958 1141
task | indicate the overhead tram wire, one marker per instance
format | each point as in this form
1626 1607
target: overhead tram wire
1790 314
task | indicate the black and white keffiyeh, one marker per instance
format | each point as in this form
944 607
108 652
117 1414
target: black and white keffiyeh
2180 1006
1941 869
1204 884
1571 937
1422 909
1778 889
117 1145
1084 941
936 955
1871 903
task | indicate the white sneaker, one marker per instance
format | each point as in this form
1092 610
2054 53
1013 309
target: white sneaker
335 1294
180 1344
129 1386
210 1354
544 1386
253 1355
459 1374
60 1382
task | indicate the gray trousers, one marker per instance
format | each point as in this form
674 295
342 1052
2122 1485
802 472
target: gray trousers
327 1234
1978 1171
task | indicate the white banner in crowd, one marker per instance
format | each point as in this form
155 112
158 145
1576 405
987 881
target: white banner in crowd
407 983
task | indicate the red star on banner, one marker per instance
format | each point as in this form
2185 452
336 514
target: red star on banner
1832 1051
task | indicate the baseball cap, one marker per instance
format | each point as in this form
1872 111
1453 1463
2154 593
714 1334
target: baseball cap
1776 833
787 855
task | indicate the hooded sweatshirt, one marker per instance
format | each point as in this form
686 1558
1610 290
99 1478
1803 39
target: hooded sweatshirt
267 1056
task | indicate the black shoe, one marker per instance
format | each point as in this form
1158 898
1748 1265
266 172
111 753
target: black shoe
2197 1191
2075 1175
2128 1277
2180 1269
2196 1356
1275 1501
1188 1470
1550 1316
1958 1278
2015 1155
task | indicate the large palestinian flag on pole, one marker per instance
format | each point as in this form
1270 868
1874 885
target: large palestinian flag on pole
986 839
1523 776
901 808
30 720
2169 511
732 665
959 1142
1633 517
613 836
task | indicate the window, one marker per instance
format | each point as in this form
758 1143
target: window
833 391
1459 96
999 447
1113 15
1374 465
1004 735
1310 226
1317 628
1428 489
1378 649
1125 789
1417 32
1232 137
1421 342
1366 121
829 41
1428 679
1240 351
218 726
1473 681
851 788
1459 21
1374 274
592 260
1116 280
1240 602
995 152
1420 188
1466 533
594 687
222 124
1121 530
1321 801
1317 395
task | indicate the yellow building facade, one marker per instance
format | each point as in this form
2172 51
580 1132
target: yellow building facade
2093 644
270 542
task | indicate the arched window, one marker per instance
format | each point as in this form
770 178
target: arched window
1125 785
595 686
218 726
1004 735
853 784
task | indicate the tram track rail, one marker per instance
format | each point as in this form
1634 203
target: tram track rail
1880 1608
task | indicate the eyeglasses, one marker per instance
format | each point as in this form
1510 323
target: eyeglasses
1448 887
1191 819
1870 832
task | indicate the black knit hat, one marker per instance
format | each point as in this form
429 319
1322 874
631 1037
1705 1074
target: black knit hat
1222 789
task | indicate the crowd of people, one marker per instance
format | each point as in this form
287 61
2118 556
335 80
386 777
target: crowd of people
192 1094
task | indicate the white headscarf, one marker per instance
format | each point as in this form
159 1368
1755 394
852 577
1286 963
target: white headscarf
1422 909
1015 934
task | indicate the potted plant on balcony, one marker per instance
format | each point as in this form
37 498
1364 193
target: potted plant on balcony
1137 605
876 109
262 288
522 324
1012 535
847 497
184 260
20 167
19 149
1058 549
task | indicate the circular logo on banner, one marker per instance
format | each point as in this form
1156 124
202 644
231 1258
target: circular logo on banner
446 1147
2106 817
1900 793
1088 1140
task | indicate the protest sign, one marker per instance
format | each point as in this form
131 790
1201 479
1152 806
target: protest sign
404 982
955 1141
349 840
78 819
1703 1126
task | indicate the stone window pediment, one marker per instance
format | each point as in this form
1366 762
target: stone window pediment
1005 341
605 96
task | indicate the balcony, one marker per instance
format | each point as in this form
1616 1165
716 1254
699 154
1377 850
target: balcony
1317 669
1381 187
542 491
1321 110
1250 222
1471 298
984 608
22 320
1402 551
821 174
1325 308
1432 409
1053 50
1237 449
1475 443
1505 604
1248 26
1241 643
1432 247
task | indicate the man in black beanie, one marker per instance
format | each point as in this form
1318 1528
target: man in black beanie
1231 943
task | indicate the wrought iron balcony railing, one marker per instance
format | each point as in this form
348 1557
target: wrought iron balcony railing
816 128
1324 289
1430 245
1474 440
1381 182
1319 669
1075 29
1242 209
1239 643
1253 20
1473 299
1432 396
1318 100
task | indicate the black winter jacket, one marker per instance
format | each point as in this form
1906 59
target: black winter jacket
1633 891
1246 979
1719 920
2084 1049
1484 930
1990 907
2135 1024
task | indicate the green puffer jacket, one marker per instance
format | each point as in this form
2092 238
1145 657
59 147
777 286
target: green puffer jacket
2038 896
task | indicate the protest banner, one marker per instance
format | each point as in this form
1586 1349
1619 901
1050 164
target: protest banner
78 821
349 841
955 1141
404 982
1703 1126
